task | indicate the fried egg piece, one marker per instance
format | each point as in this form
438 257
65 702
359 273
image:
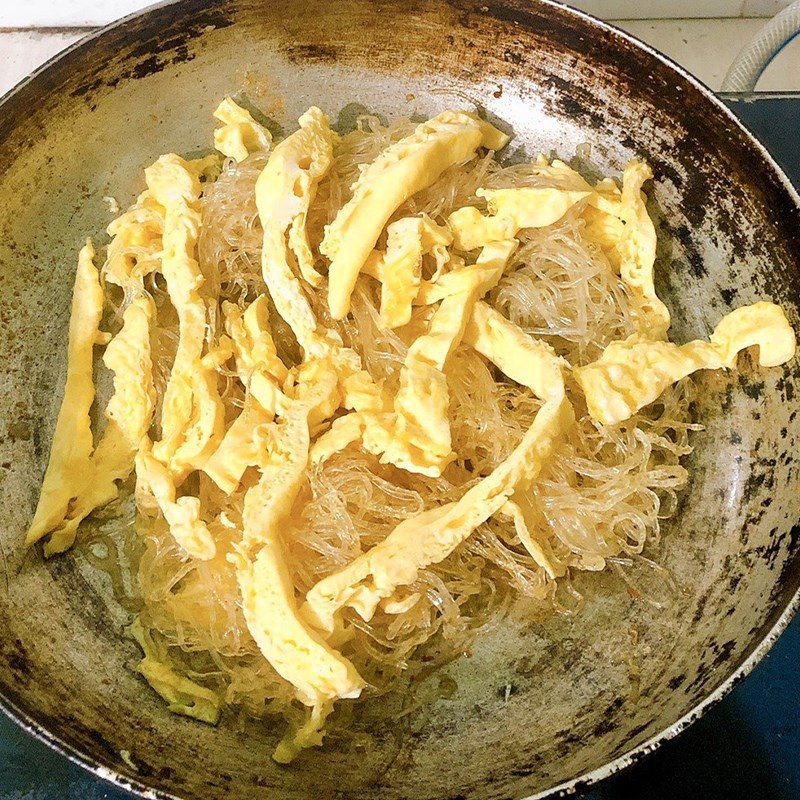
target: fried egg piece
510 210
240 135
536 550
399 172
242 446
421 440
192 414
633 373
155 484
129 413
623 227
619 222
135 247
284 191
183 696
399 269
258 365
297 652
254 346
260 371
431 536
71 449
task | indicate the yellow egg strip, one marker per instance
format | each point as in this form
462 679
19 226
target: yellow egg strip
399 172
240 135
310 734
631 245
515 354
619 222
155 483
510 210
431 536
514 510
128 356
299 654
182 695
192 413
421 440
633 373
71 449
129 413
242 446
135 247
260 370
400 268
284 190
253 343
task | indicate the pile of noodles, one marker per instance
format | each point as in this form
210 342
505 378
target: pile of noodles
598 502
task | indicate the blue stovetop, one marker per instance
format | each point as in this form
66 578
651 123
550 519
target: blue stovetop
747 747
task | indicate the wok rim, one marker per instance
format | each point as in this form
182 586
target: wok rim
75 755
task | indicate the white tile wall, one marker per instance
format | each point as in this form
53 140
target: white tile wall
705 47
679 9
22 51
65 13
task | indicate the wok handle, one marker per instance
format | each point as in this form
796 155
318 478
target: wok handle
756 55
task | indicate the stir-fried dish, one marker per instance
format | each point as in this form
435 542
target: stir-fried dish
367 389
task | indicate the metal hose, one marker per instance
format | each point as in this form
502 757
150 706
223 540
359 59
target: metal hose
755 56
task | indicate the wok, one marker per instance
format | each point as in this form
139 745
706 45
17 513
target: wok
542 706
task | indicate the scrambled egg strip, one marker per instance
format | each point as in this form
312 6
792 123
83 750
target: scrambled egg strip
619 222
260 371
523 528
399 172
515 354
399 269
71 450
628 237
510 210
254 346
299 654
181 513
421 441
135 247
431 536
192 415
633 373
129 413
242 446
240 135
284 190
182 695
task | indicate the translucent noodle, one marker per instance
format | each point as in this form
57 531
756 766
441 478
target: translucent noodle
600 500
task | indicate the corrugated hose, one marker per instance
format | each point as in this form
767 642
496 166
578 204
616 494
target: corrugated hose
755 56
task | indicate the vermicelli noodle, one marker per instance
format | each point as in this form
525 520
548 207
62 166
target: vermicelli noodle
600 498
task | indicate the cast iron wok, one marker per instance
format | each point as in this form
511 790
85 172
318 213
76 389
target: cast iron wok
541 706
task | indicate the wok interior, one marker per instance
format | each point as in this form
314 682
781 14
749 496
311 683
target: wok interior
539 701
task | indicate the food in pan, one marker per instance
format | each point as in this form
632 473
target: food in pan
367 389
